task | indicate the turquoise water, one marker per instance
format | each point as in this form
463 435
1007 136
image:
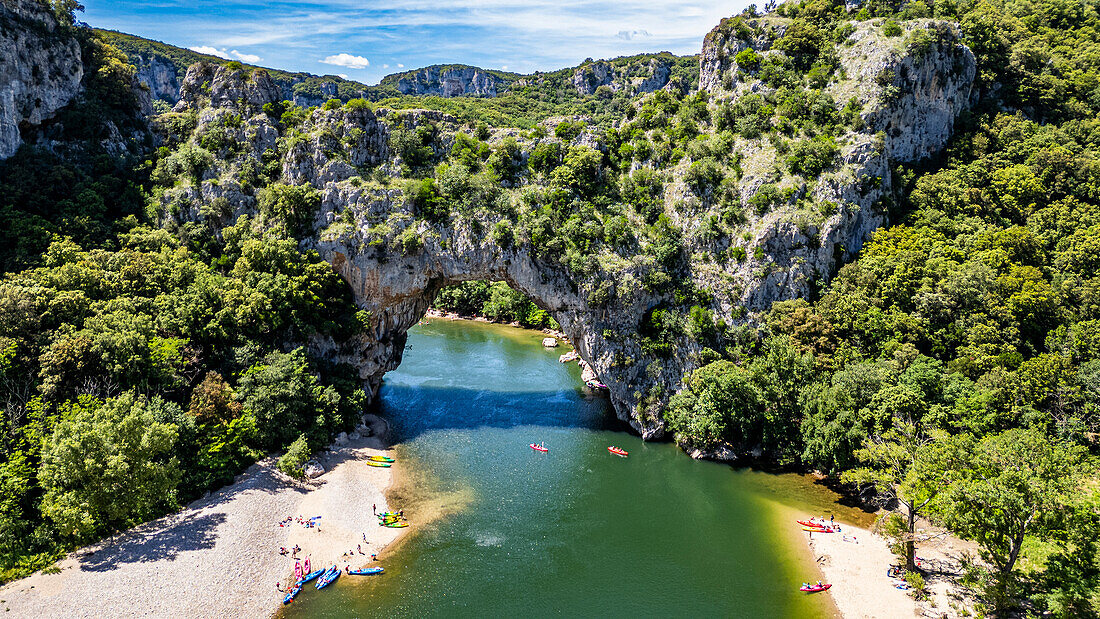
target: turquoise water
577 531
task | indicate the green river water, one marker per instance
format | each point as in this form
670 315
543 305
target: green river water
577 531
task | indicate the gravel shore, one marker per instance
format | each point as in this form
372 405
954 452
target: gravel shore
220 556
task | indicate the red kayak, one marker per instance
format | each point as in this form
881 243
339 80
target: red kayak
816 526
618 452
814 588
539 448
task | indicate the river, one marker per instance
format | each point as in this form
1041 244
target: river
576 531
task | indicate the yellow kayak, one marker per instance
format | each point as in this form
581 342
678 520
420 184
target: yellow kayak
396 525
381 458
381 464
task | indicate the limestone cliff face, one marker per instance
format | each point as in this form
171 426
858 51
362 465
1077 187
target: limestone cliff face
908 91
159 76
219 87
40 69
635 79
450 82
396 257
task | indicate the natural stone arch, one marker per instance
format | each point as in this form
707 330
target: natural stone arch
397 289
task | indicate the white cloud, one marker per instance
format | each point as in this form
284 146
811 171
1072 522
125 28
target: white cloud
244 57
210 51
227 54
385 66
347 60
400 66
630 35
504 68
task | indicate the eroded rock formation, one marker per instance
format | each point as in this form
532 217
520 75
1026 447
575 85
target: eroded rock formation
453 81
40 69
396 255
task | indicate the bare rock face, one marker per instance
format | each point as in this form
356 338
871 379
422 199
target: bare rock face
655 74
159 76
40 69
451 82
232 89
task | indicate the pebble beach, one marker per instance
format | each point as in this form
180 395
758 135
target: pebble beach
220 556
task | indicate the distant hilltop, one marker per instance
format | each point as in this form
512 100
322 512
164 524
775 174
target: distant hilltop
162 67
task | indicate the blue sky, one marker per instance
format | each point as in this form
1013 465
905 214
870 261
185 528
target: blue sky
365 40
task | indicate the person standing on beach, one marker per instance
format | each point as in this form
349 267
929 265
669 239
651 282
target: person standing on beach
374 508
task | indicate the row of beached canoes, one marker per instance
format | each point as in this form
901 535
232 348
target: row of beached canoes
325 578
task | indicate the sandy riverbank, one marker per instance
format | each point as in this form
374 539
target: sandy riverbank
220 555
855 561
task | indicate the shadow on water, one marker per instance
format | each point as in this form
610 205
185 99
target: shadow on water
413 410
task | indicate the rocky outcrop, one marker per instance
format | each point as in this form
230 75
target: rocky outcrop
396 254
908 99
454 81
40 69
634 77
158 75
220 87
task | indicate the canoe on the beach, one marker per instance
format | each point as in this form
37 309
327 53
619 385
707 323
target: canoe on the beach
310 576
330 577
367 571
396 525
539 448
381 458
818 529
384 465
618 452
292 594
815 588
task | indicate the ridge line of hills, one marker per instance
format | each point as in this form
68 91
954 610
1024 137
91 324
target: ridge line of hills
162 67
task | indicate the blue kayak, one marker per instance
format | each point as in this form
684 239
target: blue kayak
366 571
330 577
292 594
310 576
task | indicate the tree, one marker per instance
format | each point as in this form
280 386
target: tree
108 466
284 396
719 403
1009 486
892 465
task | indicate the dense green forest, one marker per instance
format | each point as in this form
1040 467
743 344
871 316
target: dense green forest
952 370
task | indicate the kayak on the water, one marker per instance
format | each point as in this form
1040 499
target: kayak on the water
292 594
618 452
310 576
808 588
381 458
384 465
539 447
330 577
367 571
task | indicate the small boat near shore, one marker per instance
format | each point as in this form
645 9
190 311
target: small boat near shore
329 577
366 571
310 576
293 593
622 453
538 447
815 588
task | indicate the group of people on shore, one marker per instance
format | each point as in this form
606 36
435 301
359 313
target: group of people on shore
309 523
